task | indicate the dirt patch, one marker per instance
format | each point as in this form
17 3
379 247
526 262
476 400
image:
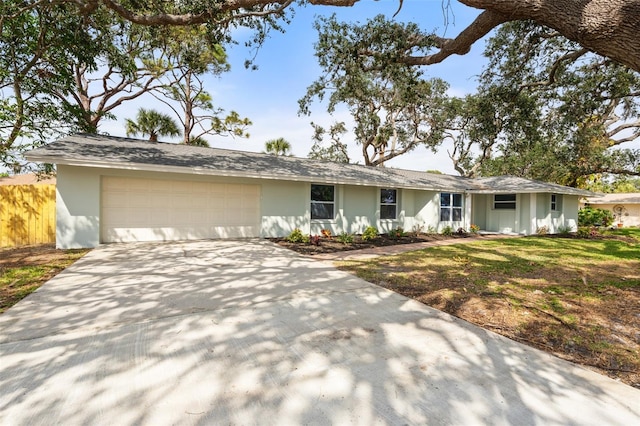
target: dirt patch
24 269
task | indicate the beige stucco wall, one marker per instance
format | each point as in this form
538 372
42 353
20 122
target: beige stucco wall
631 217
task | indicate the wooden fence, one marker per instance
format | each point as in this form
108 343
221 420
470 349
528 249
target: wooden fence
27 214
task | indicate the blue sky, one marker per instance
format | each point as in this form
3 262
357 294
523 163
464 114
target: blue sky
286 66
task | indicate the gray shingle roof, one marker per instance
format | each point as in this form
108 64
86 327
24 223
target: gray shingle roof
628 198
115 152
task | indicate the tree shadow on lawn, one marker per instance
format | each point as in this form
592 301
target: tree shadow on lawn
582 307
217 332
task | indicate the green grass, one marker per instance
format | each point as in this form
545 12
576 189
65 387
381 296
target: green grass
19 280
543 291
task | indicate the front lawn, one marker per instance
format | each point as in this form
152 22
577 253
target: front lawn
24 269
576 298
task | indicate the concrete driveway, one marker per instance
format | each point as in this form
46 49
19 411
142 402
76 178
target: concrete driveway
238 332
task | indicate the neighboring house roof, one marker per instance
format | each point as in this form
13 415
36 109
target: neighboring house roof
26 179
133 154
627 198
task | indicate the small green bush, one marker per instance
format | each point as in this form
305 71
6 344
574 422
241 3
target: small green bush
474 229
447 230
431 230
370 233
564 230
396 233
588 216
296 236
345 238
588 232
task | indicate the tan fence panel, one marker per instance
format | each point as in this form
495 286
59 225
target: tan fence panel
27 215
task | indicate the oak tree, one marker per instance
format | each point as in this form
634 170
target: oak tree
394 108
607 27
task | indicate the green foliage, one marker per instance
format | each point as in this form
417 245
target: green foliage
345 238
588 232
431 230
336 151
278 146
191 54
151 123
447 230
588 216
564 230
394 107
397 233
37 44
474 229
370 233
608 183
296 236
561 113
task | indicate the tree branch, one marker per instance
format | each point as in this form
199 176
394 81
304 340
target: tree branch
460 45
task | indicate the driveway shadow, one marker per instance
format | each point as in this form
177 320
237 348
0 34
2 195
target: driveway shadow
246 332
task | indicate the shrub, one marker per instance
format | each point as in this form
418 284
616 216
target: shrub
431 230
564 230
588 232
315 240
474 229
345 238
447 230
370 233
326 233
296 236
417 229
542 230
396 233
588 216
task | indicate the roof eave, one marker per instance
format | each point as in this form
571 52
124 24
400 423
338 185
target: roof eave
210 172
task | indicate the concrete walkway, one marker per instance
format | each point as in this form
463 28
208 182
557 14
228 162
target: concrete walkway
246 332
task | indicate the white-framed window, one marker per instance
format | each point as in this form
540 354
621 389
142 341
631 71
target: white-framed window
504 201
388 203
450 207
556 202
323 201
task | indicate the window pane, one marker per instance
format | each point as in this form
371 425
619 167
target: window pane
445 215
322 192
457 200
505 197
387 212
388 196
457 214
321 210
445 199
505 206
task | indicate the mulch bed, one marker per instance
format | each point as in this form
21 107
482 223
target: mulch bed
332 245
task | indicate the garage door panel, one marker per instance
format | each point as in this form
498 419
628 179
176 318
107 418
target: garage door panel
152 210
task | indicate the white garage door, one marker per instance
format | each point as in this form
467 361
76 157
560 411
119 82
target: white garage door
159 210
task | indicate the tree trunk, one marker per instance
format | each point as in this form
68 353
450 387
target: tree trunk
608 27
